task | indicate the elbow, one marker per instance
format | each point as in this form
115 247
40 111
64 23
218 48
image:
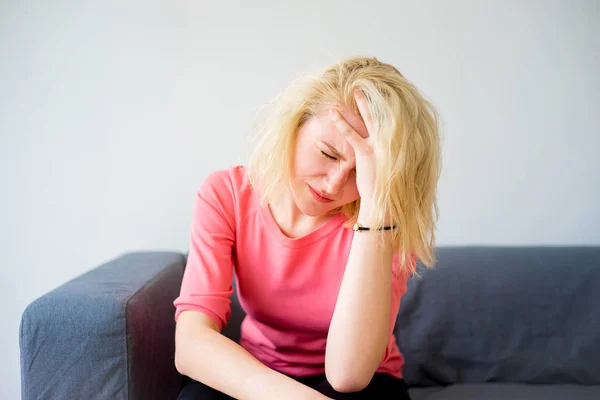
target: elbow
179 362
348 383
347 380
182 354
348 374
189 331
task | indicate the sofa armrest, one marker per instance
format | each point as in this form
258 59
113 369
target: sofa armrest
107 334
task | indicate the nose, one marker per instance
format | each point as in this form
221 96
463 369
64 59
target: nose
335 180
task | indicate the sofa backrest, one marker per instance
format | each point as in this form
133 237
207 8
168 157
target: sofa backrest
503 314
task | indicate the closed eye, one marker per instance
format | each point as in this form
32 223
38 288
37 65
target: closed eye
328 156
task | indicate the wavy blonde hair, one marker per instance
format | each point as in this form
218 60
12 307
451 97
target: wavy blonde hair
406 144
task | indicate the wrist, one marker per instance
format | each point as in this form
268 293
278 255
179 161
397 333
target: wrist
363 213
363 217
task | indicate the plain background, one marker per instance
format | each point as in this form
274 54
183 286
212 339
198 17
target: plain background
113 112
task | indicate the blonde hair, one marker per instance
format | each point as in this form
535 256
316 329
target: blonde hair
406 145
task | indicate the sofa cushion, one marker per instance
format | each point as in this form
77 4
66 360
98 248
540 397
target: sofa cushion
503 314
500 391
423 393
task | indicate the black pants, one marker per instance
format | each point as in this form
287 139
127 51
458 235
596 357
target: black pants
382 386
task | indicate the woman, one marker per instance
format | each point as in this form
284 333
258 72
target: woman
322 228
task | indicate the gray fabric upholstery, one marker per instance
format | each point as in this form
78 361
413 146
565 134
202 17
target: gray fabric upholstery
504 314
423 393
107 334
507 391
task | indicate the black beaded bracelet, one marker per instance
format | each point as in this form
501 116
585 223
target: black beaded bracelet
358 227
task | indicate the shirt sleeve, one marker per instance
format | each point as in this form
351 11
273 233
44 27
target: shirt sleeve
207 281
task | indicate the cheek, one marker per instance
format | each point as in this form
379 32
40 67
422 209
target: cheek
310 163
353 191
350 191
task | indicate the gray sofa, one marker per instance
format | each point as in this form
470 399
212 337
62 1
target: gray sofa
489 322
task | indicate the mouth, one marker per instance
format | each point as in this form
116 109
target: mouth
318 196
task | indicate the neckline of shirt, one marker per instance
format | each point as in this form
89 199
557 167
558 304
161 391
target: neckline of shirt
322 231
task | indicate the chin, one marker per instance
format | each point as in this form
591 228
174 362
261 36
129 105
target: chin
313 209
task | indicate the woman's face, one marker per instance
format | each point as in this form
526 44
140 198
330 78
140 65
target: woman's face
323 171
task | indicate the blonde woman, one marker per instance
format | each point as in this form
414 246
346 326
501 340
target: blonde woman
322 228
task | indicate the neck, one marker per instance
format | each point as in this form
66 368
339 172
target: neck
291 220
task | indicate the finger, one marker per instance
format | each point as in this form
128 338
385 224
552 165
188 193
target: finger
358 143
363 108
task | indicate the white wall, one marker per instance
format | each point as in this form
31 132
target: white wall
112 113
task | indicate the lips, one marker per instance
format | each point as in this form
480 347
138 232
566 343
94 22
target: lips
318 196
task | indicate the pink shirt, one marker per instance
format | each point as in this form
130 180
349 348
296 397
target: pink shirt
287 287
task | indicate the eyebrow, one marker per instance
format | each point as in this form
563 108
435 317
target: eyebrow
334 151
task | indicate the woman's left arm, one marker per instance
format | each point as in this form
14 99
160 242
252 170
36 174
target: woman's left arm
360 327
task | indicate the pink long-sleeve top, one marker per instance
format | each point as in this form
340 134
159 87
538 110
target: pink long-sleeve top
287 286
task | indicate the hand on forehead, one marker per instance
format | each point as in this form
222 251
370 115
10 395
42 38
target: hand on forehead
332 135
344 131
355 121
356 128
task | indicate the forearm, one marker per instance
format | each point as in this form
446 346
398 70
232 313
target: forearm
215 360
359 330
